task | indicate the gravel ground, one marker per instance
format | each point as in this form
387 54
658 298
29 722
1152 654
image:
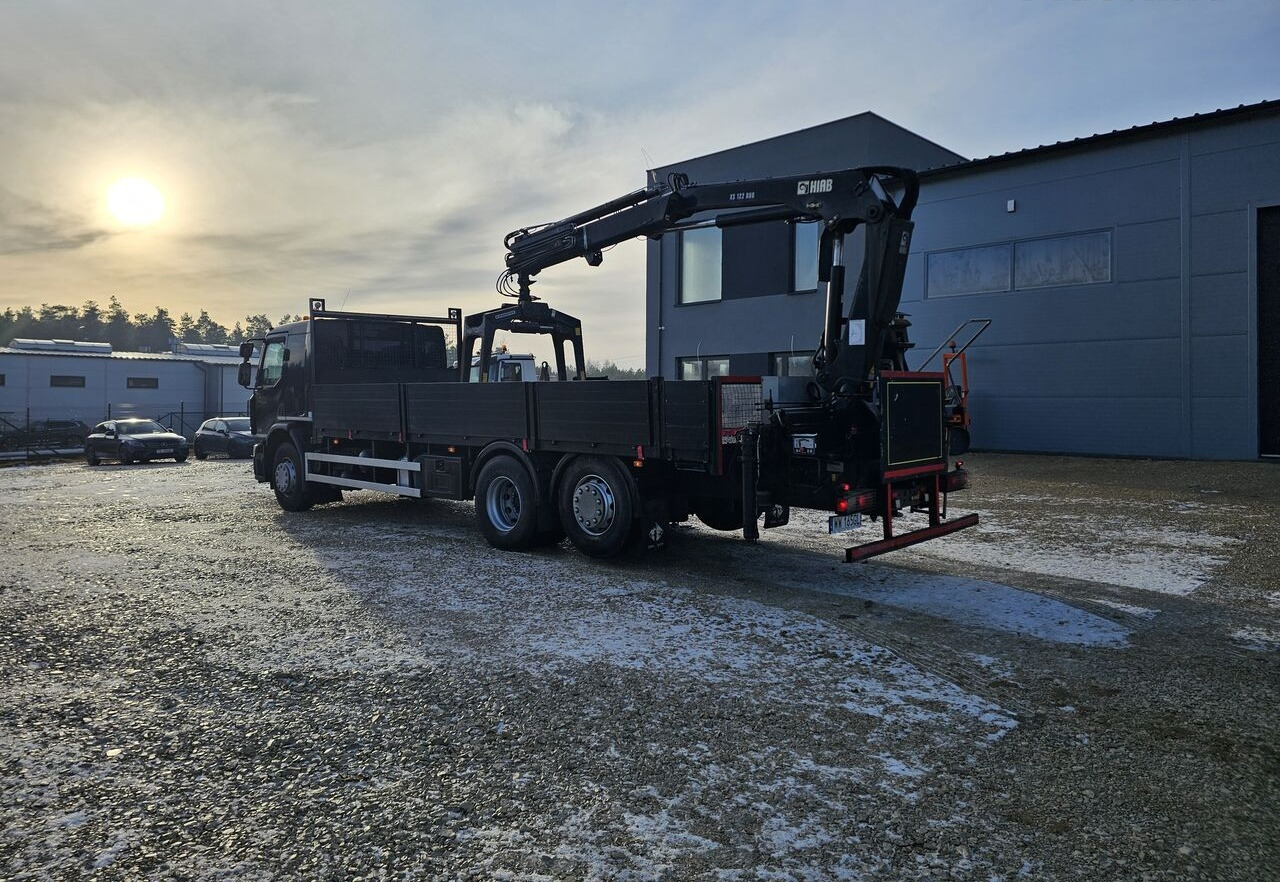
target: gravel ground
200 686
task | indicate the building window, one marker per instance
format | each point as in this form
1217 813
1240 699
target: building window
980 270
703 368
792 364
1 379
1082 259
143 382
65 381
700 265
1055 261
804 275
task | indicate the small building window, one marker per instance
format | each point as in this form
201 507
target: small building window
66 381
703 368
804 275
143 383
792 364
981 270
1082 259
700 265
1 379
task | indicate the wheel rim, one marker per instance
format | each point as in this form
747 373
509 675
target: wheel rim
502 503
286 476
594 505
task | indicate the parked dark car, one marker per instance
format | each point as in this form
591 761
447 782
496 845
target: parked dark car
133 441
229 435
42 434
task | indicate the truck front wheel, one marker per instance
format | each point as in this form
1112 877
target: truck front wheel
597 506
287 480
505 508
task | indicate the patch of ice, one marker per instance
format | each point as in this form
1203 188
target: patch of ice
964 601
1140 611
111 853
1258 639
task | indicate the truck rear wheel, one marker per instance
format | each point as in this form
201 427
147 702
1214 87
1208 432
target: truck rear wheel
596 501
287 480
505 507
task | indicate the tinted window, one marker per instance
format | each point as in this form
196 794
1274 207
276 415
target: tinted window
139 427
143 383
273 363
1063 260
700 265
72 382
789 364
239 425
970 270
805 271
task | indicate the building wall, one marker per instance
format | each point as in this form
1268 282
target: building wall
749 325
27 389
1159 361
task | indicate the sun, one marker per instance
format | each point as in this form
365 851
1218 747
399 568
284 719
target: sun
135 202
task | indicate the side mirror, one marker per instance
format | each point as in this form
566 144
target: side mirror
110 433
245 375
246 350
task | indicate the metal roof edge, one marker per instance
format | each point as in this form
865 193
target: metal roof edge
1152 129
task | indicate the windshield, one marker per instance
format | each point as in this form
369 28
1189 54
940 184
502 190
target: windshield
139 427
239 425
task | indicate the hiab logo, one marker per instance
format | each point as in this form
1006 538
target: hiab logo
807 188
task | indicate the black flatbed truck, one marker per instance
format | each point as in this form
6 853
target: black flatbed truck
362 401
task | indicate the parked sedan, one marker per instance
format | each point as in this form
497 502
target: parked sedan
133 441
229 435
44 434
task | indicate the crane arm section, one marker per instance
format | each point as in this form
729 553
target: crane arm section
852 344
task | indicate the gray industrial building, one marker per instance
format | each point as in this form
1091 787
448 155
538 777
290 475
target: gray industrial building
64 379
1133 280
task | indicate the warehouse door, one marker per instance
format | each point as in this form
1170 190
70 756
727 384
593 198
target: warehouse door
1269 331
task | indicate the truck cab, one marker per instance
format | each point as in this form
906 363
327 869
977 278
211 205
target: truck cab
506 367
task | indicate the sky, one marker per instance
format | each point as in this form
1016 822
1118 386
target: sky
376 153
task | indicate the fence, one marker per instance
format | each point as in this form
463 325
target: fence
60 431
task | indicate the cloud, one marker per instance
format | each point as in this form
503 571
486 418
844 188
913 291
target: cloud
384 149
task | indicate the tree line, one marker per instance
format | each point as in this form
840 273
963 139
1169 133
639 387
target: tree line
140 332
154 332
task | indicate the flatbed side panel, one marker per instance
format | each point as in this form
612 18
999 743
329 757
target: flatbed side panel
466 413
607 416
363 410
687 421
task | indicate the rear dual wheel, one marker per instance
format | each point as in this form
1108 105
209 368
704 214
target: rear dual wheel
596 502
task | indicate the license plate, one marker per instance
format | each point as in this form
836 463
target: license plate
844 523
165 450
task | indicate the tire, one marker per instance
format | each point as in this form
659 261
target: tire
182 458
200 454
596 501
506 507
958 440
287 481
91 456
721 514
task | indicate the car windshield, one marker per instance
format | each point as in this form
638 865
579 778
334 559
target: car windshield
139 427
239 425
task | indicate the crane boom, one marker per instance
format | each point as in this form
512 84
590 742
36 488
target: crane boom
853 344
